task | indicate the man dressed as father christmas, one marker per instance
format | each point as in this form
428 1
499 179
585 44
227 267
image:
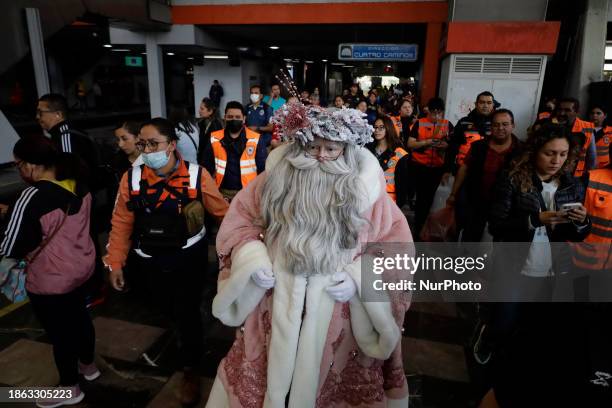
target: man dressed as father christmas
291 248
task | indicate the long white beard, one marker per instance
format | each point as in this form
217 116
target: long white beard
310 210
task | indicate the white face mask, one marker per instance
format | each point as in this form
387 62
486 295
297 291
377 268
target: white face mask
254 98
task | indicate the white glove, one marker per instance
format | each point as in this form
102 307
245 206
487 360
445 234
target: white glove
264 278
344 290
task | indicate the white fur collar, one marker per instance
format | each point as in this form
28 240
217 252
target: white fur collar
370 172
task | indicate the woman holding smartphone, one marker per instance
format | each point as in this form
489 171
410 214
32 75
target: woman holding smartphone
537 203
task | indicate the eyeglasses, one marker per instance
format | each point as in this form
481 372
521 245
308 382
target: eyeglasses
39 112
152 144
332 152
379 128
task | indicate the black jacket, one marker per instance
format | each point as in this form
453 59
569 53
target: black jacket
204 148
514 215
70 140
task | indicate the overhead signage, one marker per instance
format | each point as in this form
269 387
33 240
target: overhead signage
131 61
377 52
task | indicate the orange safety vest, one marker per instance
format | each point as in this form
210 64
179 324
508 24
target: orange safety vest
430 156
543 115
587 128
595 253
390 171
603 148
397 123
471 136
248 168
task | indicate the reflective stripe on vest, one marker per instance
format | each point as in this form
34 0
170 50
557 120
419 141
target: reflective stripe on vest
429 156
471 136
603 148
248 166
134 178
595 252
390 171
586 128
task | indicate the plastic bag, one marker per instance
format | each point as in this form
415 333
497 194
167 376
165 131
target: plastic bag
442 193
12 279
440 226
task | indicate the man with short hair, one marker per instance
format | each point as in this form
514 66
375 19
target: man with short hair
471 128
258 115
480 171
354 97
275 100
51 115
567 114
236 154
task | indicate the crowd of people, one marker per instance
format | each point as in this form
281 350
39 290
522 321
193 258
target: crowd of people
296 189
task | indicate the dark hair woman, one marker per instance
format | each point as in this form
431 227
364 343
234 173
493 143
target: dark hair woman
127 138
528 339
210 122
387 147
598 114
49 228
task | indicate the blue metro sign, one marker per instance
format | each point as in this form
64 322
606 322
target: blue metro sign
377 52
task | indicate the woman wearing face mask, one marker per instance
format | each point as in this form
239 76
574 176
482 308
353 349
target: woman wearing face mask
393 159
159 214
49 228
528 339
603 134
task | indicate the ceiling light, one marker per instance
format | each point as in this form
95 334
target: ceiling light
243 49
309 62
170 53
288 60
323 60
120 50
216 57
108 46
348 66
189 58
337 63
143 53
274 47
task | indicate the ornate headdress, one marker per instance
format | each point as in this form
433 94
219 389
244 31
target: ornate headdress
297 121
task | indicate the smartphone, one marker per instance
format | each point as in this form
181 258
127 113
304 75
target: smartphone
570 206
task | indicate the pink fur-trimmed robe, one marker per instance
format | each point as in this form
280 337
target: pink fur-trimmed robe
295 340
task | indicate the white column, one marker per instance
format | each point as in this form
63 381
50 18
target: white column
590 53
37 46
155 73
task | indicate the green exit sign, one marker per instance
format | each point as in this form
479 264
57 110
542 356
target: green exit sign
131 61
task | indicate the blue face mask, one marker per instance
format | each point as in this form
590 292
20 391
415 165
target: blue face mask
155 160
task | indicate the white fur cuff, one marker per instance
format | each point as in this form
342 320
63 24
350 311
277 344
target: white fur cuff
374 326
237 296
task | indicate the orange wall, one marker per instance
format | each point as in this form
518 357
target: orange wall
313 13
503 37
